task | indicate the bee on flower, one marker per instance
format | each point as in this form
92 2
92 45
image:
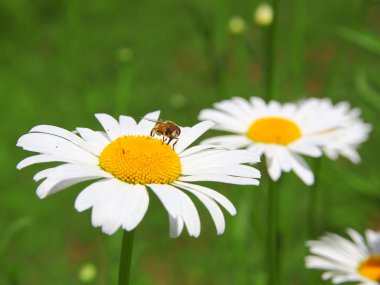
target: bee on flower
127 161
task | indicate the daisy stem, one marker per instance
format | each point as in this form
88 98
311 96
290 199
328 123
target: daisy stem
272 242
314 201
126 257
271 81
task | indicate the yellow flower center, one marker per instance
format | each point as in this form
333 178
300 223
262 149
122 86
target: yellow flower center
141 160
274 130
370 268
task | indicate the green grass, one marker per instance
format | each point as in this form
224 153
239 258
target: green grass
60 63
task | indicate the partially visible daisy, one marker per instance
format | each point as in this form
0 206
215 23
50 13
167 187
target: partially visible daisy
348 132
284 132
345 260
126 161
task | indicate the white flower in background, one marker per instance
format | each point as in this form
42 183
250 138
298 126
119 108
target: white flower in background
263 16
345 260
126 161
281 132
347 130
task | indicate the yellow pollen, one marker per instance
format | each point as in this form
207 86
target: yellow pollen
370 268
274 130
141 160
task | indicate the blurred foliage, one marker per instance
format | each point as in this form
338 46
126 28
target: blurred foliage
63 61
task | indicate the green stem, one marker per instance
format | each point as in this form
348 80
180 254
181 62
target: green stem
124 89
298 46
273 229
126 257
270 55
313 201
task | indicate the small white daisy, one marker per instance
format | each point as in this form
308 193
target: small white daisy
126 161
284 132
348 131
345 260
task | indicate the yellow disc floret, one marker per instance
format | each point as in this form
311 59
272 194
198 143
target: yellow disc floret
141 160
274 130
370 268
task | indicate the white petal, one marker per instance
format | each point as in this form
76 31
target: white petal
230 141
115 204
147 123
284 159
176 226
358 239
198 149
65 134
223 121
128 125
97 140
220 158
306 149
373 239
40 158
63 176
168 199
209 192
235 170
213 209
220 178
70 170
233 109
274 169
190 136
302 169
51 186
110 125
50 144
91 195
178 205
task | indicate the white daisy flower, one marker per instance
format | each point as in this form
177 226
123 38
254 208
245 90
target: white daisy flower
345 260
347 130
126 161
278 131
284 132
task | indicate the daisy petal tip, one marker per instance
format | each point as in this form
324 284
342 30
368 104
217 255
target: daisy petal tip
109 231
41 195
20 165
206 124
79 205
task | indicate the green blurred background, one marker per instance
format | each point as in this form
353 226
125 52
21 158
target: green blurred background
63 61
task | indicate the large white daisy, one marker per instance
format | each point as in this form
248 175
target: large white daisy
345 260
284 132
126 161
348 131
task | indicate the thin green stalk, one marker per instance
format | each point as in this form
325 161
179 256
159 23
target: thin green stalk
271 85
124 88
272 235
126 257
314 198
271 82
298 46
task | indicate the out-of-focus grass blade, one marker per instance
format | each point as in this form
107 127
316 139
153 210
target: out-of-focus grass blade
11 231
367 92
364 40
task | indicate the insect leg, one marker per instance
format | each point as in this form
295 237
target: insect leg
176 140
